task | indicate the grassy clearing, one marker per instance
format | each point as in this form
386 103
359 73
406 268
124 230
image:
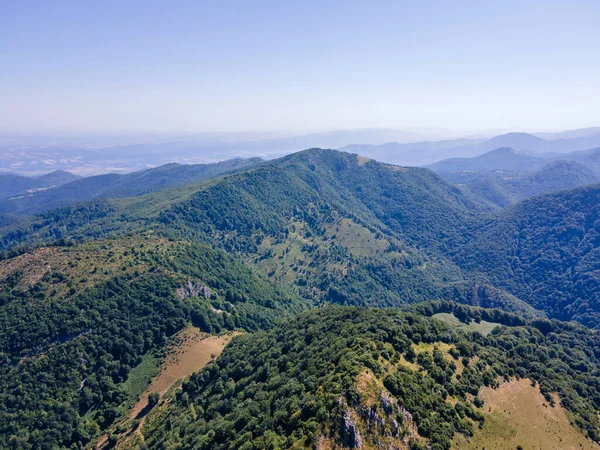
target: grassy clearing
358 240
192 351
517 414
483 327
189 352
141 375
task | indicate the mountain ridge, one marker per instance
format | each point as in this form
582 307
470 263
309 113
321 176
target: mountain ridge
116 186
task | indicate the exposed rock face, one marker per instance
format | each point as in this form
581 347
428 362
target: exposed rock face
192 289
350 433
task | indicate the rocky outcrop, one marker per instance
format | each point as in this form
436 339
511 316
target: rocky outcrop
350 433
192 289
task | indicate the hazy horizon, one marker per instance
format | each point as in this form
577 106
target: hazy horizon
139 67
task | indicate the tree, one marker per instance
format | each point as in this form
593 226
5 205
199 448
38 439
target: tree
153 399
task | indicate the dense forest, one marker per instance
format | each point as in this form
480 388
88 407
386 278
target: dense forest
545 251
71 334
21 195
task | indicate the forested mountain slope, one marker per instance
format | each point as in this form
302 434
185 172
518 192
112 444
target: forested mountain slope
349 230
545 251
335 226
338 228
367 378
503 189
75 320
90 290
504 159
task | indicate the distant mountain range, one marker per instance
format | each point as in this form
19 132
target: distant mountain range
497 178
505 176
509 159
12 184
423 153
94 155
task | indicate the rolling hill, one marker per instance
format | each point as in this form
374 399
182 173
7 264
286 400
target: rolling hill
502 189
505 176
334 226
458 170
545 251
359 378
12 184
117 186
344 229
510 160
76 320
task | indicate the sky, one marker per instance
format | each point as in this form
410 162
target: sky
195 66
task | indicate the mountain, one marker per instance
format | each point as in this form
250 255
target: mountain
361 378
344 229
508 159
335 226
500 159
504 176
117 186
525 142
409 154
590 158
93 155
502 189
13 184
581 132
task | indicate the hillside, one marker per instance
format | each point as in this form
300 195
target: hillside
458 170
544 251
507 188
12 184
336 227
344 229
76 320
506 159
503 177
118 186
363 378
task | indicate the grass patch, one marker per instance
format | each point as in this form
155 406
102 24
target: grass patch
516 414
482 327
141 376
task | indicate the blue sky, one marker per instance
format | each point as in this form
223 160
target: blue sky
298 65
